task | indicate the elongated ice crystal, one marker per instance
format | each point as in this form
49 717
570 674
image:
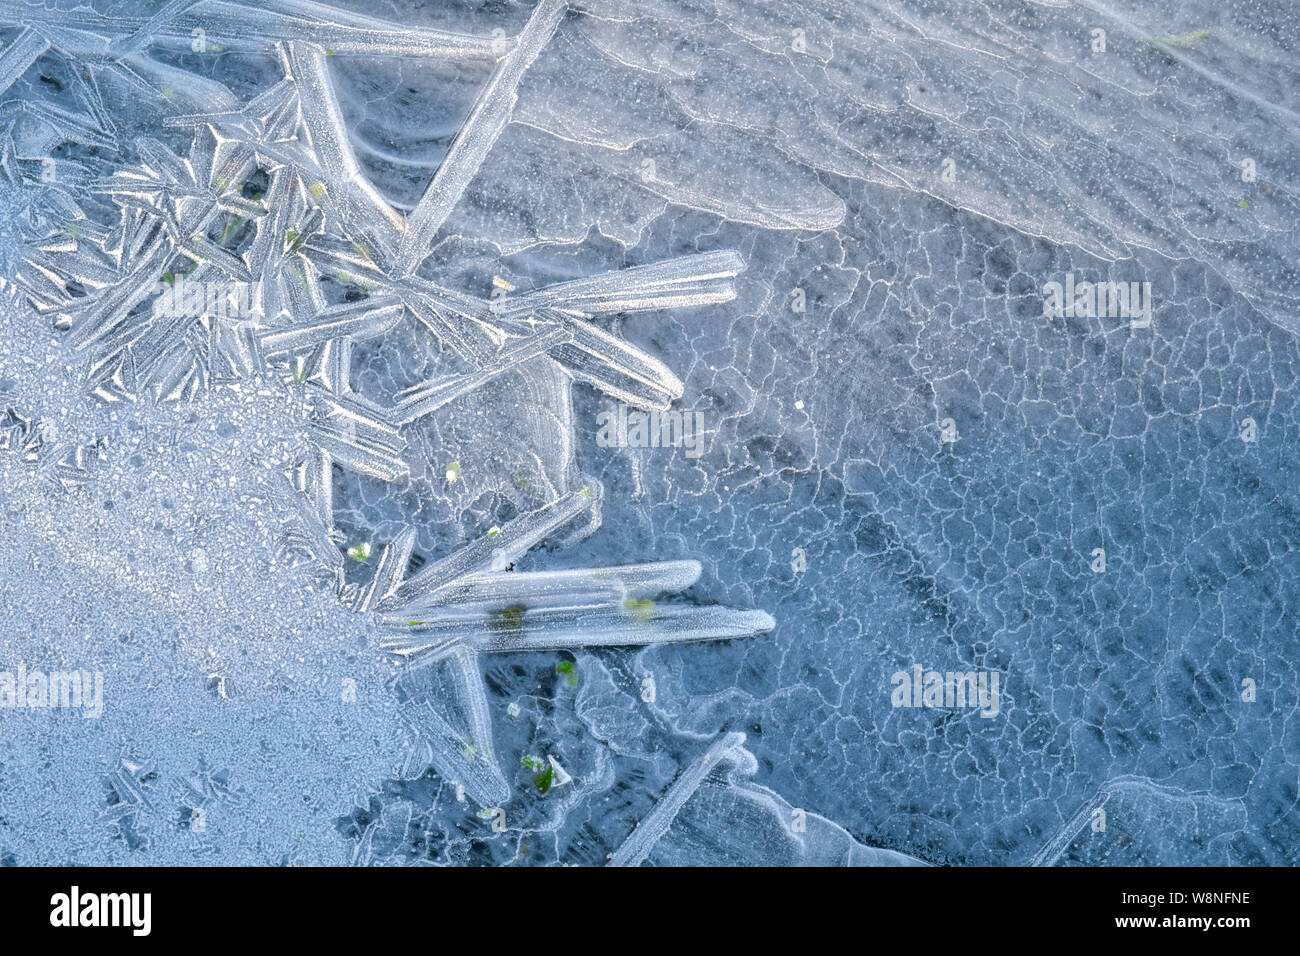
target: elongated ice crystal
490 115
727 749
734 822
241 26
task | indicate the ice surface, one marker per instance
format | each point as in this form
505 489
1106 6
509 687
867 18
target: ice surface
313 320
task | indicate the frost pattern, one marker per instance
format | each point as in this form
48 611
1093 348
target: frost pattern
268 200
263 252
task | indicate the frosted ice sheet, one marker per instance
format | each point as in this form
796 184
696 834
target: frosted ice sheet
346 522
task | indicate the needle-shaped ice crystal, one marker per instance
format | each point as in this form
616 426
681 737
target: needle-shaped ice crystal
224 25
727 749
489 117
357 320
424 399
446 703
687 281
630 623
19 54
491 552
358 435
328 134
